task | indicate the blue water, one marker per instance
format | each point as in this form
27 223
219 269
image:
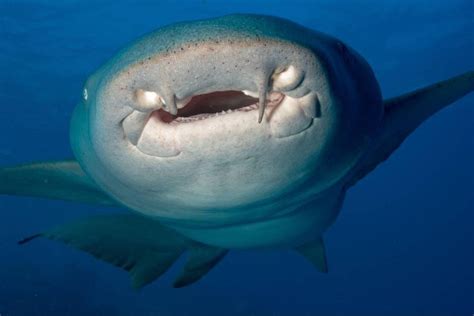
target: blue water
403 244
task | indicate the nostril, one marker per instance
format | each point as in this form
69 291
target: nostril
147 101
286 79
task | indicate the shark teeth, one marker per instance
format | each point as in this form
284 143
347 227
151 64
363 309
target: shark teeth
200 117
271 100
250 93
149 101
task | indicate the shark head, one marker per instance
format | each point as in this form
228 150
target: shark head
225 120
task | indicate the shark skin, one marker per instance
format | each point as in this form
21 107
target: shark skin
238 132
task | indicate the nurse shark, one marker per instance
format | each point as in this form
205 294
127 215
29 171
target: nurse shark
237 132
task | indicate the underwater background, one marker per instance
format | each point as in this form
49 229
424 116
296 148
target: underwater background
402 245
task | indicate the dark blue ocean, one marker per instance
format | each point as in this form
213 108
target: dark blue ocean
402 245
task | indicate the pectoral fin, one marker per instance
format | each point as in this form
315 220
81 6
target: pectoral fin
62 180
201 260
405 113
315 253
141 246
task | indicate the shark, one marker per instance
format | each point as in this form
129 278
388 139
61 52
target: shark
236 132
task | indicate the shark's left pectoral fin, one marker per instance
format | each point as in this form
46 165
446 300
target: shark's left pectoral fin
141 246
62 180
315 252
403 114
201 260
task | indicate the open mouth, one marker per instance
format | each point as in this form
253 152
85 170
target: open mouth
158 126
164 125
204 106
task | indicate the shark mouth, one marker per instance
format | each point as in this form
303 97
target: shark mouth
158 132
158 125
204 106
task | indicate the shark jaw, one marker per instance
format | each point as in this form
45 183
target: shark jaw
159 133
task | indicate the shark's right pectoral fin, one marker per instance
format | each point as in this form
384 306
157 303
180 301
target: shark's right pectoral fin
62 180
141 246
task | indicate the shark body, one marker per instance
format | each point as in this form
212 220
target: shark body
238 132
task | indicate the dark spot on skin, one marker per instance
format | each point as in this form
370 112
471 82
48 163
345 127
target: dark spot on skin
182 48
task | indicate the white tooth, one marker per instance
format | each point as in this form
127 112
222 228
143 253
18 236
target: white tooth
181 103
250 93
287 80
147 101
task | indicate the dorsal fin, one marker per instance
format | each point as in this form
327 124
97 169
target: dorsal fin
62 180
405 113
139 245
